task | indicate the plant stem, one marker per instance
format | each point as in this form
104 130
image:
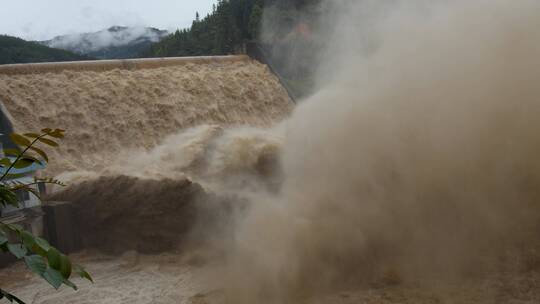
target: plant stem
21 154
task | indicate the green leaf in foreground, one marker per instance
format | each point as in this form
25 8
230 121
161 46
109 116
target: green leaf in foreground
43 243
41 153
53 277
11 298
57 133
65 266
31 135
28 239
20 140
23 163
18 250
59 262
5 162
48 142
12 152
36 263
3 239
82 273
39 256
8 197
14 227
54 258
70 284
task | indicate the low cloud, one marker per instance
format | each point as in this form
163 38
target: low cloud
112 37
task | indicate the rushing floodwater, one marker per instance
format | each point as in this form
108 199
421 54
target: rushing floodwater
411 176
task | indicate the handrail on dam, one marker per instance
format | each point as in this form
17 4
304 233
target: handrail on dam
103 65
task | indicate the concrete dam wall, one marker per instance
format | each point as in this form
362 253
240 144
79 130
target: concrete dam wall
112 106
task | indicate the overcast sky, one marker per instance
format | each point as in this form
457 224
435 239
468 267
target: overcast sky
44 19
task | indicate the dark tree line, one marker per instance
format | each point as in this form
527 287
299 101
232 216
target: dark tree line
229 24
16 50
226 28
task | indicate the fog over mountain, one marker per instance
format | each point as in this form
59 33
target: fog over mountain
113 43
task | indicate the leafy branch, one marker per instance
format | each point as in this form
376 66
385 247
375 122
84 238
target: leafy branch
10 297
38 255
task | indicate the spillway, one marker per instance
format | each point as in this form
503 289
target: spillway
114 105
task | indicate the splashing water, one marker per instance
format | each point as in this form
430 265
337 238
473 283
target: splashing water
414 164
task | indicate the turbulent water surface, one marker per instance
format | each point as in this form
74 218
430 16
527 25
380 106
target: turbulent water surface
411 176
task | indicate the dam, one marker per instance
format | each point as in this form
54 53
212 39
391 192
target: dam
148 141
109 106
411 174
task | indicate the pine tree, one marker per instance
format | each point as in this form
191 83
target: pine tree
228 26
255 21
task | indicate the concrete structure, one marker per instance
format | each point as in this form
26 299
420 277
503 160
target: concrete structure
29 213
105 65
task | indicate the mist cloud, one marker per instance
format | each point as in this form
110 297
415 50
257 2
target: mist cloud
117 36
42 20
416 157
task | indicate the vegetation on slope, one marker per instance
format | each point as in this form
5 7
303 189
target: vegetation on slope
116 42
16 50
230 23
39 256
287 25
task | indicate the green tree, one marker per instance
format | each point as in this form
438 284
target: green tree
255 21
234 22
218 33
16 50
39 256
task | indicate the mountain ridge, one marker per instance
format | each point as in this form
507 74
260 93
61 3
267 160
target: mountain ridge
17 50
115 42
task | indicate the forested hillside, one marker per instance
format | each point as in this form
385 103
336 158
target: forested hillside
229 24
287 28
16 50
218 33
116 42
